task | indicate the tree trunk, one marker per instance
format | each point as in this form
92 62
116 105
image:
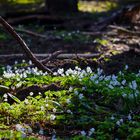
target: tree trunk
61 6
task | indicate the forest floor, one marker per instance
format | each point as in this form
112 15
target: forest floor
79 101
116 45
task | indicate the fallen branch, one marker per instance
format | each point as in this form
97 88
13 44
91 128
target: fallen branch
30 33
115 16
122 30
24 46
59 56
30 18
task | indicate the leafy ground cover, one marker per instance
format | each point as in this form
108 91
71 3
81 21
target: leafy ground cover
79 104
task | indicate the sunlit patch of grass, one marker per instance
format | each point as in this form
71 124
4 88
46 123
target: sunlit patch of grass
26 1
96 6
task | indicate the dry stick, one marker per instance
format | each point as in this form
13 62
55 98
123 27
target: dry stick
30 33
24 46
124 30
60 56
52 56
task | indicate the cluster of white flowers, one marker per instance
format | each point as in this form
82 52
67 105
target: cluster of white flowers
5 96
78 72
21 72
89 133
52 117
24 129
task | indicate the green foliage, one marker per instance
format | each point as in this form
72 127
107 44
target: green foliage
88 103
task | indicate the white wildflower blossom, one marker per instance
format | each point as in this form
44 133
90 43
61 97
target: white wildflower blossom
123 82
41 132
81 96
26 101
52 117
88 69
118 123
54 110
121 120
31 93
126 67
110 86
60 71
68 101
83 88
112 117
19 127
69 111
76 92
5 100
42 108
70 89
5 95
83 133
91 131
129 117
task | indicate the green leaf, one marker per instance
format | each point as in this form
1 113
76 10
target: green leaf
14 98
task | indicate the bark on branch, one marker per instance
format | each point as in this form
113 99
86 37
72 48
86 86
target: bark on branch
23 45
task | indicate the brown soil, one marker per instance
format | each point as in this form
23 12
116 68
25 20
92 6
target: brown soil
120 49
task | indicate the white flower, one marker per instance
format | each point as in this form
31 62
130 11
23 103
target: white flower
30 62
52 117
19 127
81 96
110 86
54 110
23 135
29 130
31 93
126 67
83 88
96 82
53 137
70 89
69 111
47 105
88 69
129 117
39 93
26 101
5 95
123 82
76 92
99 71
91 131
19 85
124 95
92 78
68 101
41 132
121 120
5 100
83 133
118 123
42 108
112 117
60 71
23 61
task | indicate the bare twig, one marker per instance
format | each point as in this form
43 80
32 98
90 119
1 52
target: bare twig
52 56
124 30
24 46
60 56
30 33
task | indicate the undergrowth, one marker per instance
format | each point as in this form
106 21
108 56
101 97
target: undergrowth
76 104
